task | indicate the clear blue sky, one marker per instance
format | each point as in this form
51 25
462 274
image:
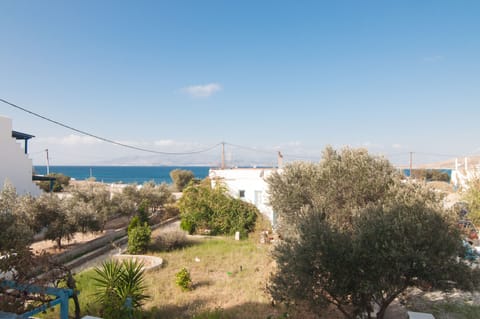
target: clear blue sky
295 76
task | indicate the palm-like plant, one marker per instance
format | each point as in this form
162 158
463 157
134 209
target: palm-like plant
120 288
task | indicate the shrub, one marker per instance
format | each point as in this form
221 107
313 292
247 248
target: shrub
134 222
204 208
138 237
183 279
142 212
115 283
170 240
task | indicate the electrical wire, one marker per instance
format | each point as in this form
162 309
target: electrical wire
107 139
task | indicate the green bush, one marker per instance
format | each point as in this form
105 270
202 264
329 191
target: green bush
139 237
134 222
204 208
142 212
183 279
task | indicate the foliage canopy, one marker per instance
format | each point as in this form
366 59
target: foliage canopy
181 178
472 198
341 184
361 237
204 208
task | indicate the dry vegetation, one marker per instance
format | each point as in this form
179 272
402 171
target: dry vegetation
229 277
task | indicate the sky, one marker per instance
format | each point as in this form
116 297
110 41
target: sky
262 76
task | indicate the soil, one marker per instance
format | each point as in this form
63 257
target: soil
50 247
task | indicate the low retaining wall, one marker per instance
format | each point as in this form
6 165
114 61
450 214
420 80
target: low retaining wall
104 241
149 262
99 246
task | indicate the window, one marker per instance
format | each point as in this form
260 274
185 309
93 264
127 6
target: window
241 193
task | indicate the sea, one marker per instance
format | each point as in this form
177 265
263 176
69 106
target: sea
123 174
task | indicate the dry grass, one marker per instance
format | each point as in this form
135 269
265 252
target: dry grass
226 274
229 279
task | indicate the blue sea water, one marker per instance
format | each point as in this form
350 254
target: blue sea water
123 174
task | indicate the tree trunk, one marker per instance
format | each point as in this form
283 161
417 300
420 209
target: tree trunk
59 242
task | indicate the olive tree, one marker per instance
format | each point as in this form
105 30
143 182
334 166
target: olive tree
53 216
342 183
18 263
387 250
15 231
352 246
181 178
61 181
472 198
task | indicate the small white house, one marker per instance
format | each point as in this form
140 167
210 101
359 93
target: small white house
248 184
15 166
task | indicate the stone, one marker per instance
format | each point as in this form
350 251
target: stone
420 315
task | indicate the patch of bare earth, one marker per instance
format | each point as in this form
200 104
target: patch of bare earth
50 246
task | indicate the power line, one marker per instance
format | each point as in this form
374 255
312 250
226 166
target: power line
107 139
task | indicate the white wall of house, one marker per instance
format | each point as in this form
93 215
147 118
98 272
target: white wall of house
15 166
248 184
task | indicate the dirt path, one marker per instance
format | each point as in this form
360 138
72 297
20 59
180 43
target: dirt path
96 261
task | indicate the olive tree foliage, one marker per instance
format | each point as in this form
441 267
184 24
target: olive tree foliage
96 203
181 178
472 197
54 217
387 250
60 183
354 246
341 184
155 195
14 221
17 224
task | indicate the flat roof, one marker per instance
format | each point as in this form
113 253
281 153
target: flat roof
21 136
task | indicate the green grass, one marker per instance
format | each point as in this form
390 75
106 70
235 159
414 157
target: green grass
229 279
460 311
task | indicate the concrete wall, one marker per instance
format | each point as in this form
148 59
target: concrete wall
15 166
248 182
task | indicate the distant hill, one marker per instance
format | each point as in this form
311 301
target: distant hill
473 161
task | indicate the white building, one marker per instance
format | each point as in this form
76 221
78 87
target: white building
15 166
248 184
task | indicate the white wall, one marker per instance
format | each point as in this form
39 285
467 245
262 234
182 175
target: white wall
15 166
250 180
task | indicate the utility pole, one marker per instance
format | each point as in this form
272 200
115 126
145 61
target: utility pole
411 157
48 162
223 155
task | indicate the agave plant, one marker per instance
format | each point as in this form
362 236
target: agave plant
120 288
